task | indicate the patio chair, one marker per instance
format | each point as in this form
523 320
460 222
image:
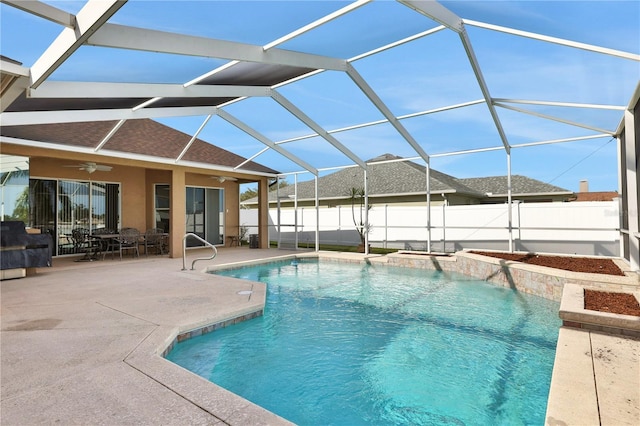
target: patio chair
81 240
153 239
65 244
127 239
102 243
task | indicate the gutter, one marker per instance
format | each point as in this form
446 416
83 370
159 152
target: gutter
529 194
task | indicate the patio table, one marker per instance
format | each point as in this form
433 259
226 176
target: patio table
93 250
104 241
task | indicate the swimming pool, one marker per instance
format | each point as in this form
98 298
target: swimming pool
352 344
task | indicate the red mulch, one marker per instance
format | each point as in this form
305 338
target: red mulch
615 303
567 263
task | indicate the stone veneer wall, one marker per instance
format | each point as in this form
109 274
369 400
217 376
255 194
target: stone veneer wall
536 280
505 275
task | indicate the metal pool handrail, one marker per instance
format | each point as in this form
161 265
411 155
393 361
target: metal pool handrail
184 250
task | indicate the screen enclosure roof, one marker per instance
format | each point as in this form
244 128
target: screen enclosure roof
310 86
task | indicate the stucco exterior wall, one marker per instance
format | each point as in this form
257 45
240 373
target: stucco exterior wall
232 209
137 179
132 180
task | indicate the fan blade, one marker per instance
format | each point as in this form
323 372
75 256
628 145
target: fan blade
224 178
90 167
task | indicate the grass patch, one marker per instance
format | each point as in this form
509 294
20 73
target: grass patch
332 247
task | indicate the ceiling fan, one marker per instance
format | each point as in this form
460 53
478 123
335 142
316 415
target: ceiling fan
224 178
91 167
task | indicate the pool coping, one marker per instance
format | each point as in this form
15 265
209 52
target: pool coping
573 313
150 359
208 396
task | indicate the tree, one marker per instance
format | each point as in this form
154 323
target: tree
21 210
248 194
253 192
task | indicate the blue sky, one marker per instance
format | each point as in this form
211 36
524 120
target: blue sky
429 73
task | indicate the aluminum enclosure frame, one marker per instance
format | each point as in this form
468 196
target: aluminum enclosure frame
58 101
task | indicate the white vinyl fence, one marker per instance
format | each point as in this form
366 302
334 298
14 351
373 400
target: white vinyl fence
585 228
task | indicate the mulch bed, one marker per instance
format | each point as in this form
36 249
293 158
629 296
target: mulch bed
615 303
567 263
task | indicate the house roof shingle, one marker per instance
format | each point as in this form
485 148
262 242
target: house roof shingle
497 185
140 136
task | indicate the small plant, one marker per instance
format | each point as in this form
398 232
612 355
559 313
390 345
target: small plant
356 195
242 232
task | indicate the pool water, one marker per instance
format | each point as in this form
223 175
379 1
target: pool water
351 344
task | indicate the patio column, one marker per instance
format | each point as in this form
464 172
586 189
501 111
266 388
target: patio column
263 213
631 191
177 226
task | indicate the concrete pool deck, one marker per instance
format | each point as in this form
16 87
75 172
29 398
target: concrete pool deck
81 344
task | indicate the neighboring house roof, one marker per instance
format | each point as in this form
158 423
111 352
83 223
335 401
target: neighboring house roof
596 196
384 179
140 136
394 178
520 185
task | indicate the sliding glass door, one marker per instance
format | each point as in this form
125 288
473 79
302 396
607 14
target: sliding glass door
162 206
43 207
195 214
60 207
105 205
205 215
74 210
